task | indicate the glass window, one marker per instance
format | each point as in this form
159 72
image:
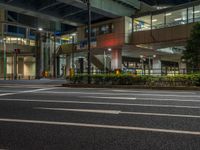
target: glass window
197 13
142 23
94 32
177 17
158 21
104 29
32 43
190 14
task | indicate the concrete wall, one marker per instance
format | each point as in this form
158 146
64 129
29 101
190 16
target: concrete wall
115 39
169 34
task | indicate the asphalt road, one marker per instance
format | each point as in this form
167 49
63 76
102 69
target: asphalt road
43 116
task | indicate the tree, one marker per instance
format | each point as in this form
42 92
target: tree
192 52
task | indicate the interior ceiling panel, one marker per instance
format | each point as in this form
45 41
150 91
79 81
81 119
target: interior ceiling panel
55 10
166 2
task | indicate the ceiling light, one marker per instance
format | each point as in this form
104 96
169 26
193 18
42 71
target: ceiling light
177 19
197 11
168 14
154 20
40 29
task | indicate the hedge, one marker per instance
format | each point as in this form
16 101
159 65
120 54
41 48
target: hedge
127 79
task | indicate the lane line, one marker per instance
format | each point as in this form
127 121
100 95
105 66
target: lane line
4 94
160 114
28 91
37 90
102 103
135 94
197 133
129 91
125 98
82 110
117 112
144 99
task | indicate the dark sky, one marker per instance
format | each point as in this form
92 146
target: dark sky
170 2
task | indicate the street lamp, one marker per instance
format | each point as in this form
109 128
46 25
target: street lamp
5 60
89 39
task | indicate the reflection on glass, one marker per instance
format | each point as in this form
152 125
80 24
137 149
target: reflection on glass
197 13
176 17
158 21
190 14
142 23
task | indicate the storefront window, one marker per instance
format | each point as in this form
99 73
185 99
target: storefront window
158 21
142 23
190 14
176 17
197 13
32 42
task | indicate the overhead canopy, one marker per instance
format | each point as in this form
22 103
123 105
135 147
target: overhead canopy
72 12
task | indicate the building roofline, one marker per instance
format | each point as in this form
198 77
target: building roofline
181 6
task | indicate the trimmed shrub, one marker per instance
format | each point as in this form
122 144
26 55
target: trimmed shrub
150 81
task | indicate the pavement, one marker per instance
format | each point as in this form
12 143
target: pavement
44 116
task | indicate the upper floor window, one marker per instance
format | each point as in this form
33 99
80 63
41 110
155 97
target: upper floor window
105 29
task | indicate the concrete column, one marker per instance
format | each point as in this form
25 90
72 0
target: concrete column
182 68
42 58
68 64
116 61
157 66
15 66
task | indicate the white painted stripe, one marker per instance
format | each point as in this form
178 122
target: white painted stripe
153 91
123 98
101 126
134 94
117 112
28 91
82 110
102 103
4 94
36 90
160 114
143 99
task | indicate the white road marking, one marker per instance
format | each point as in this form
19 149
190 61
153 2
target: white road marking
143 99
100 126
160 114
82 110
102 103
28 91
117 112
4 94
36 90
135 94
145 91
123 98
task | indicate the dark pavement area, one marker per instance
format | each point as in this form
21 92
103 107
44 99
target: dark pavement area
41 115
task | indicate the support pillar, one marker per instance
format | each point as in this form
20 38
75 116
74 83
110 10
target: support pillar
157 66
116 61
182 68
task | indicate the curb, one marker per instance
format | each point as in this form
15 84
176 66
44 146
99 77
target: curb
130 87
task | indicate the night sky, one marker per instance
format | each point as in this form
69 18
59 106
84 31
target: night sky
170 2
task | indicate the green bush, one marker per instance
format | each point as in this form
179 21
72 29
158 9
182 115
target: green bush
127 79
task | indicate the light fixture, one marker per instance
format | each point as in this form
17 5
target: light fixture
109 49
168 14
177 19
40 29
197 11
154 20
